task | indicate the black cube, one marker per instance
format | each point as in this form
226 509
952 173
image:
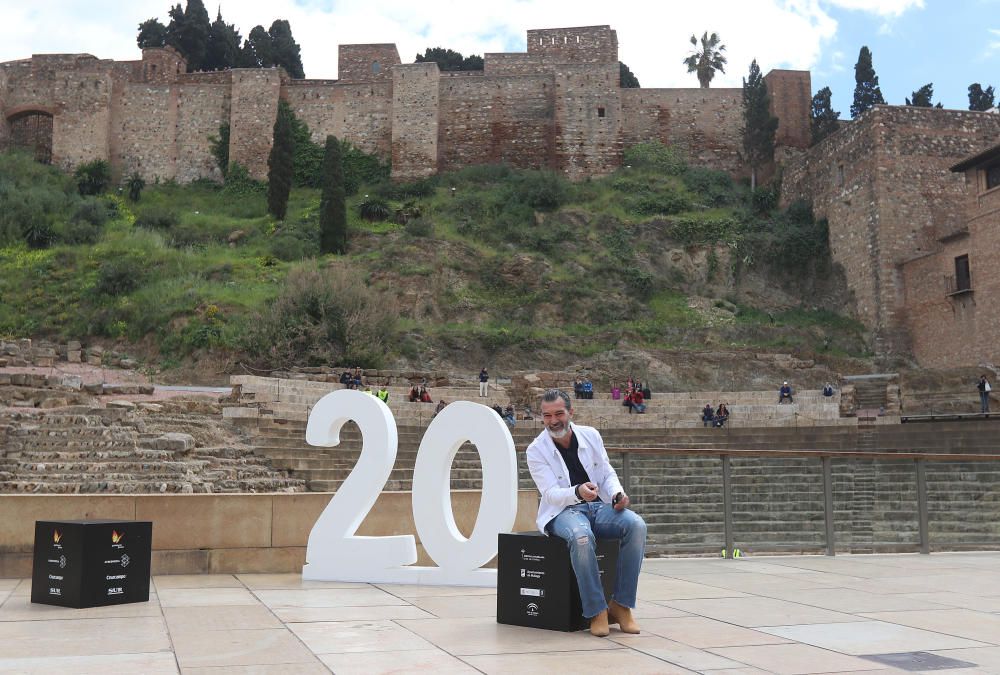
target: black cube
536 586
91 563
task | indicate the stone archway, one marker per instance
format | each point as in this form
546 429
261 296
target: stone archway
31 131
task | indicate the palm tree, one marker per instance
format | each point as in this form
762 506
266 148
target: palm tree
708 59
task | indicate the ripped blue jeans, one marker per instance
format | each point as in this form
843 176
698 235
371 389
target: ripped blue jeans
581 525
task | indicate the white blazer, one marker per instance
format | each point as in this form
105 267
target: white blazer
552 477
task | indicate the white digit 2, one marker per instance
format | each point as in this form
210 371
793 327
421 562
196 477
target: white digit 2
334 553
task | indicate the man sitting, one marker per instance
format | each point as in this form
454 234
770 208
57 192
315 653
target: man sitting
508 416
785 394
707 415
383 394
637 402
828 390
583 500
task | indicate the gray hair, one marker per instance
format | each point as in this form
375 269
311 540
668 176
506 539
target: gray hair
552 395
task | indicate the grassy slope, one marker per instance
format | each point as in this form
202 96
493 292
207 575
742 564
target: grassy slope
494 271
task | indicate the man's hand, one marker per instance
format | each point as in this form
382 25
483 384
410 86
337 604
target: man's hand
588 491
621 501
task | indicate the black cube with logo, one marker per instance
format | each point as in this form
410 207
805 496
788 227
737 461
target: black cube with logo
91 563
536 586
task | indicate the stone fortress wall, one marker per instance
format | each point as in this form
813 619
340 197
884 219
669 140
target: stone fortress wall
898 217
557 106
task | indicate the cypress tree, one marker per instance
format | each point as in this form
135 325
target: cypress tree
823 120
626 77
980 99
866 91
152 33
223 45
279 163
759 126
922 97
285 50
257 51
332 205
188 33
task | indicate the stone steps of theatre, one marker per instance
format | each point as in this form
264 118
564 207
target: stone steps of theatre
62 431
145 486
118 453
25 467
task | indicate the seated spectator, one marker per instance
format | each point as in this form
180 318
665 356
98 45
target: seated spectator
383 394
785 393
527 414
578 388
414 394
827 390
425 396
588 389
721 415
637 402
346 378
497 409
440 406
627 401
616 392
707 415
508 416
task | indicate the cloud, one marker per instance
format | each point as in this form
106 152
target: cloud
994 45
652 37
884 8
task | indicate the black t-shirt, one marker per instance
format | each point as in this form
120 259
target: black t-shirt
571 455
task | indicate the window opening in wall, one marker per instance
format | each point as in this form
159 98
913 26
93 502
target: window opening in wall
993 177
963 279
376 67
153 69
840 175
600 112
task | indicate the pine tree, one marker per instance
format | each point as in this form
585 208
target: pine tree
188 32
627 78
332 205
285 50
152 33
257 52
280 163
922 97
759 126
223 45
979 98
866 91
823 120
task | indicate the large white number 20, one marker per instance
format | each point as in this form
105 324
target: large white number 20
334 552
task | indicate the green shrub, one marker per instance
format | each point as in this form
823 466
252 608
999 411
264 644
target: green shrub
219 147
361 168
157 218
240 183
388 190
93 178
374 210
419 227
322 316
39 233
119 276
34 198
660 203
655 156
714 188
541 190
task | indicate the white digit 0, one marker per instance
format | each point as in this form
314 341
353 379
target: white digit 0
334 552
459 558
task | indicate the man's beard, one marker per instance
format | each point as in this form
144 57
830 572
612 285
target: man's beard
559 434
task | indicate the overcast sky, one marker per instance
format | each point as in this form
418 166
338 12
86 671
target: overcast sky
950 43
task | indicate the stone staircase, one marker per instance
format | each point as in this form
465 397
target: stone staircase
292 399
97 450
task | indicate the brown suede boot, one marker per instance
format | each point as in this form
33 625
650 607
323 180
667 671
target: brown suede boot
599 625
623 617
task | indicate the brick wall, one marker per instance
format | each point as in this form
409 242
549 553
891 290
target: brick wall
703 123
415 110
366 63
253 111
496 119
587 44
884 184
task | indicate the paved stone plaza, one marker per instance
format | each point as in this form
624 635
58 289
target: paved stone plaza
790 614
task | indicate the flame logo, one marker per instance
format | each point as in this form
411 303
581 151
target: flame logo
56 536
115 537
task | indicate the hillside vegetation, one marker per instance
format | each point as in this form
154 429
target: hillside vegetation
484 264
